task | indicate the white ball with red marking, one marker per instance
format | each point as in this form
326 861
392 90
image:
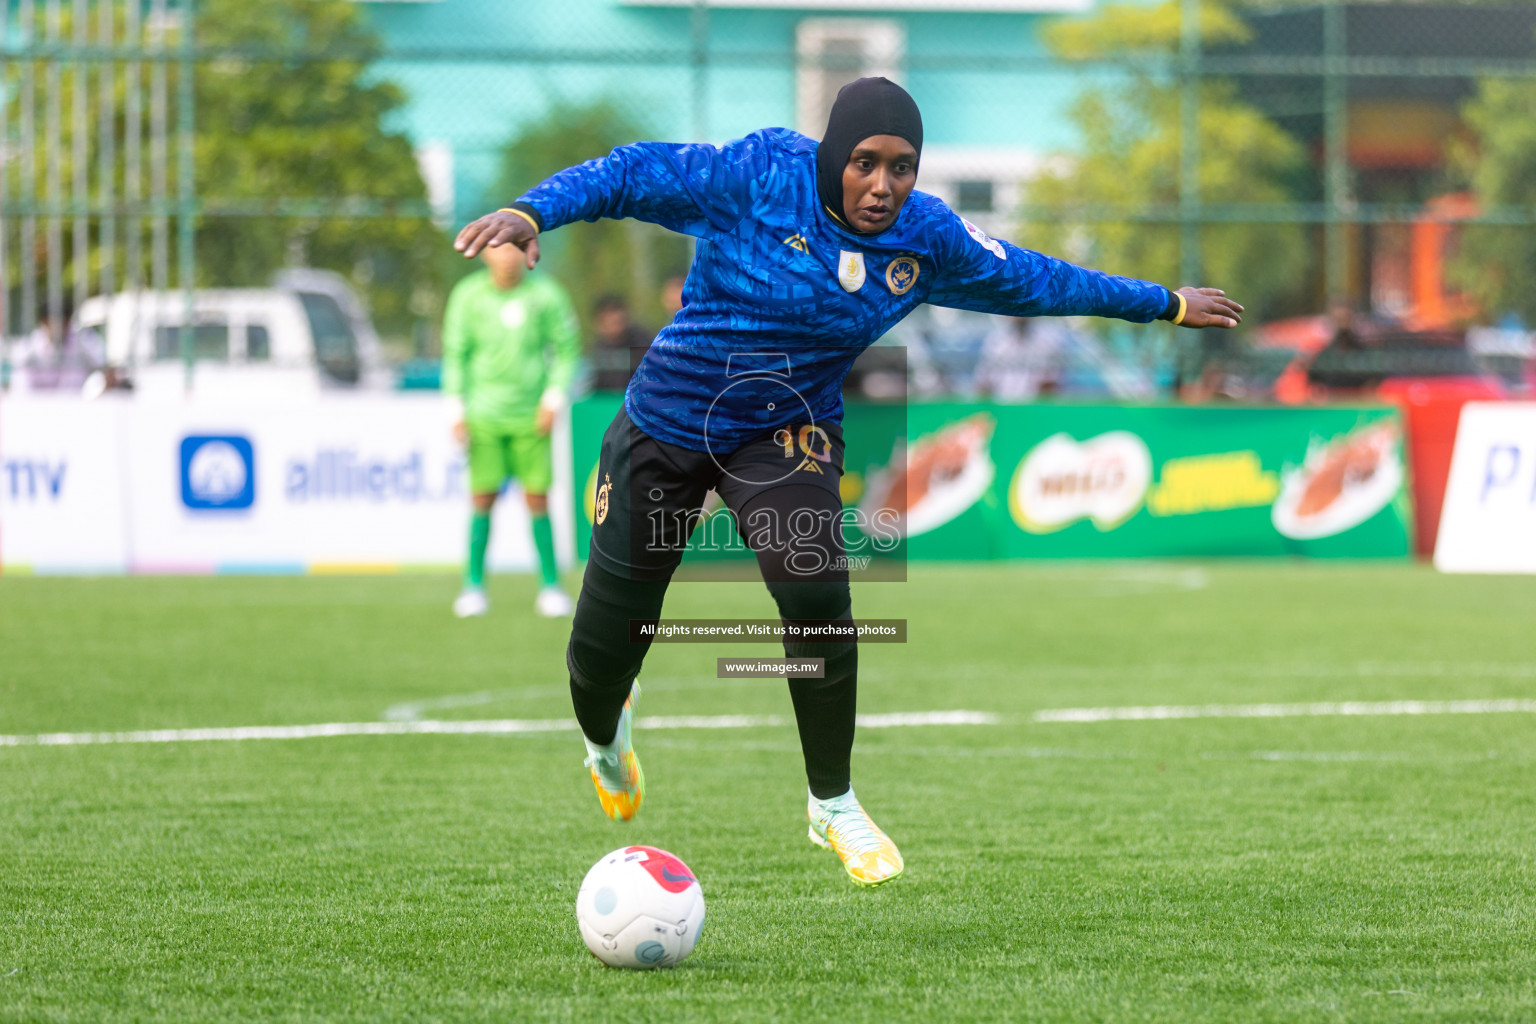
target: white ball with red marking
640 907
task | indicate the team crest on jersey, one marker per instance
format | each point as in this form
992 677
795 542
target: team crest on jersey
600 506
901 275
850 270
514 314
992 245
798 242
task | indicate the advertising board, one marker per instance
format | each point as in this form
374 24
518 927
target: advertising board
347 483
62 485
980 481
1488 523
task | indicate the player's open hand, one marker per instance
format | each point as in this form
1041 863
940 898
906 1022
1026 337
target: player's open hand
499 228
1209 307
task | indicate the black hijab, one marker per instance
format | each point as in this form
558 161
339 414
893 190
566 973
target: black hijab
867 107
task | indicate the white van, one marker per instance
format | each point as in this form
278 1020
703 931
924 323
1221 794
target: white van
245 342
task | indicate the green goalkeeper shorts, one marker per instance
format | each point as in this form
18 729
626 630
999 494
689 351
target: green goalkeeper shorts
497 454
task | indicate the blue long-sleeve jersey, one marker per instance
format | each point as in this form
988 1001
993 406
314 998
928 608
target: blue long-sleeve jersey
781 297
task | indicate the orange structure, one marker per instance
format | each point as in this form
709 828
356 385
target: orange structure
1432 239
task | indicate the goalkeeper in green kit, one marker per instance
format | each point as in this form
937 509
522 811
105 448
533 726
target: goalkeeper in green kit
510 346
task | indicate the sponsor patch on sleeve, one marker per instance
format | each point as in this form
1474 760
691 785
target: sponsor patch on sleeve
992 245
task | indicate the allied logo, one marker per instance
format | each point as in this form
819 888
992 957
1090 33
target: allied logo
798 242
850 270
901 275
992 245
601 507
218 473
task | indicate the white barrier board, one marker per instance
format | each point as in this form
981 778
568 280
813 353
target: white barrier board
196 487
1488 523
61 486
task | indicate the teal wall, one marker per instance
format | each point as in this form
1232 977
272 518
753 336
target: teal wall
476 70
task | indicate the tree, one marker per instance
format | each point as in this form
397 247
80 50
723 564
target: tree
297 127
285 109
1130 157
1496 265
627 258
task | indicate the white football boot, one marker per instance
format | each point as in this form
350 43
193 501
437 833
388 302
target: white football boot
471 603
615 769
553 603
867 853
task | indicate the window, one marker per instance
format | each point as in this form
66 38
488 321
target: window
973 196
335 344
210 341
258 344
831 52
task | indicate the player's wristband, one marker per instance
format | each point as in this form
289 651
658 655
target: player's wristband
1174 314
527 214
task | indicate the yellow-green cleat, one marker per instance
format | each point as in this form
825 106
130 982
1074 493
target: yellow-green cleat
615 769
842 826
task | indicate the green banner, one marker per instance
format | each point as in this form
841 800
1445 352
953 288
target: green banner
977 481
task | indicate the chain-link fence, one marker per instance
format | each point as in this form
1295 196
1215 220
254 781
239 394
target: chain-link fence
1344 169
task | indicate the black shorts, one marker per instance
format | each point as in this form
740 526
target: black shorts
782 487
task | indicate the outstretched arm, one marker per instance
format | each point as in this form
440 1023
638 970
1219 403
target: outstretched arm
993 276
690 188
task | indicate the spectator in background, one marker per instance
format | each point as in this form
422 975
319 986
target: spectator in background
1346 327
617 344
1345 362
1021 359
672 296
57 355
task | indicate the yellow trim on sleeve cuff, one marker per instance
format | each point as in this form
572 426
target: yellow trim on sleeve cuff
532 223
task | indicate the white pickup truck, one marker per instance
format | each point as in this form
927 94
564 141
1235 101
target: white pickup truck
306 334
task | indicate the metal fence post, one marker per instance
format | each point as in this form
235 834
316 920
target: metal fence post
1189 142
186 197
699 25
1335 148
106 154
5 192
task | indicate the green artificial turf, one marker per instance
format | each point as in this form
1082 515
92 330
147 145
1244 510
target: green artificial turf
1298 869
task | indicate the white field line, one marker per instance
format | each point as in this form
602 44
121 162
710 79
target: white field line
482 727
1234 670
1323 709
412 711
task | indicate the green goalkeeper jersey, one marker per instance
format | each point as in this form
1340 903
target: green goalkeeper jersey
505 351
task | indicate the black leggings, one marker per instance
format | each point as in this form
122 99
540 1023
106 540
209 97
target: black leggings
604 661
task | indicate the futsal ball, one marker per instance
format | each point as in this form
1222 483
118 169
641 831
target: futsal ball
640 907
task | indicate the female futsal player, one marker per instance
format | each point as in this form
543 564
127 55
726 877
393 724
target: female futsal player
807 253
